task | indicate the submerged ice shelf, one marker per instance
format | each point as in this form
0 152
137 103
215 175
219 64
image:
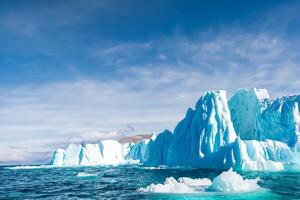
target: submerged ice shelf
248 132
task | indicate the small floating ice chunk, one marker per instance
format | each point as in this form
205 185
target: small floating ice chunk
183 185
228 181
170 186
84 174
231 181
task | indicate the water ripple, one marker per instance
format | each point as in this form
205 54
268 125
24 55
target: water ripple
122 183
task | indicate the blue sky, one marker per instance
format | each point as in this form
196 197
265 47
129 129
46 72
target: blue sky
84 70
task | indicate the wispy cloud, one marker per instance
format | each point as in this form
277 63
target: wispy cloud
149 96
260 60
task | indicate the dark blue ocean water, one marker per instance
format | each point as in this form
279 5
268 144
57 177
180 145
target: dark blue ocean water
122 182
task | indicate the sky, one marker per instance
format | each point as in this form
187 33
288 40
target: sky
74 71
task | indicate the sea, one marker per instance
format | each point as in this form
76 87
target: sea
124 182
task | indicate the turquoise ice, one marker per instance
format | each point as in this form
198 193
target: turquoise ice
247 132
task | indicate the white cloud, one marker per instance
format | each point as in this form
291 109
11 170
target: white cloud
149 95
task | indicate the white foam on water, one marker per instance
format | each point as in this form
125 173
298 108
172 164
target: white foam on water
158 167
228 181
84 174
31 167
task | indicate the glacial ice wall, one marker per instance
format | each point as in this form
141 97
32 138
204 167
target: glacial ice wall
107 152
250 155
248 132
203 131
255 116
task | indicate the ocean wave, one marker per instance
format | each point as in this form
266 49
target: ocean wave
31 167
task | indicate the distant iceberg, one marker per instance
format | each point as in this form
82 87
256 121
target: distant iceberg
107 152
248 132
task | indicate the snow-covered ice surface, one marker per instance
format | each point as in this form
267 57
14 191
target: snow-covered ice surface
228 181
170 185
231 181
106 152
183 185
247 132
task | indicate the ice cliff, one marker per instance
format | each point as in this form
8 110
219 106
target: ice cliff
255 116
107 152
248 132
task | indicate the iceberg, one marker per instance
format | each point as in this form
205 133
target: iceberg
247 132
231 181
58 157
255 116
203 132
169 186
228 181
107 152
253 155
